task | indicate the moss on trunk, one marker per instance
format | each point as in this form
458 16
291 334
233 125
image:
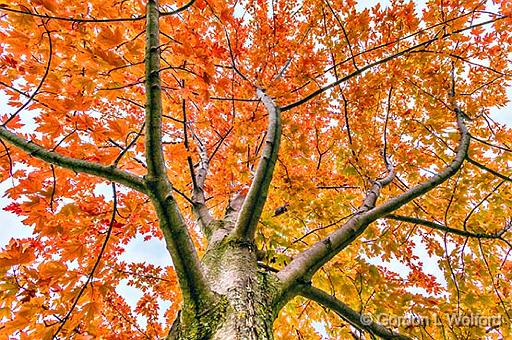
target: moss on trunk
245 297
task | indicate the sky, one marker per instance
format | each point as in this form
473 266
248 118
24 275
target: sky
153 251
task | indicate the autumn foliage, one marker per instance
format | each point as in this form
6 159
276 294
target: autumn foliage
374 103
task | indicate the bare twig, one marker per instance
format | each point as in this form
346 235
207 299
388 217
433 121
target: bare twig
96 263
45 75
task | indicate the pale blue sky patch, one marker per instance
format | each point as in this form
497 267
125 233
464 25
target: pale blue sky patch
152 251
11 226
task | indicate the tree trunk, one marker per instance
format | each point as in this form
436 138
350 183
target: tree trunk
245 307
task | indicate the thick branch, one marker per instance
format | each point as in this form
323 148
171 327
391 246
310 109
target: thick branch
302 268
218 230
348 314
196 293
107 172
257 195
198 198
234 205
154 152
78 20
178 10
430 184
199 208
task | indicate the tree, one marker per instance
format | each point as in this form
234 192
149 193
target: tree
278 147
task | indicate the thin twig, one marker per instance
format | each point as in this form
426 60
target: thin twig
96 263
43 79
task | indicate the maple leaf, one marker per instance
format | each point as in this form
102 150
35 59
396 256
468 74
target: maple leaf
284 152
50 5
16 253
14 208
51 269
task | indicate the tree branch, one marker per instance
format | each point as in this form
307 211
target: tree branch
392 42
154 152
94 267
302 268
348 314
489 170
218 230
382 61
498 235
41 82
256 197
196 293
110 173
198 198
